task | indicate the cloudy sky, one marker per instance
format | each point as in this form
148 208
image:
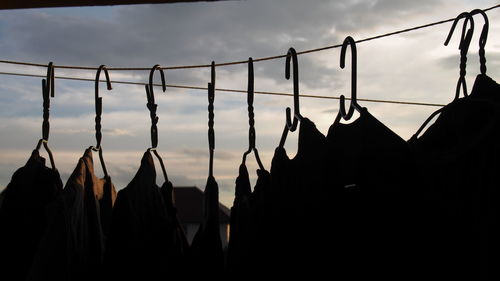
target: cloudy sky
413 66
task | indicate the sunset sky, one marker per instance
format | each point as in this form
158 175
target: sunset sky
413 66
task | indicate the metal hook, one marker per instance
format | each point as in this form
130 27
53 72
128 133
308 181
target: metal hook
464 48
98 113
354 73
154 120
98 104
151 96
482 38
151 103
47 86
45 123
251 121
211 132
468 17
50 79
292 126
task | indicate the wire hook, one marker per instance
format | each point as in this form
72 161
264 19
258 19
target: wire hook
354 73
98 113
47 86
151 103
152 106
211 132
464 47
465 40
98 104
251 115
292 55
482 39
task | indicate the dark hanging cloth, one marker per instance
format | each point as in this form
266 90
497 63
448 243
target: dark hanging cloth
180 245
73 247
372 182
238 258
459 156
297 195
260 223
140 242
24 215
207 257
249 224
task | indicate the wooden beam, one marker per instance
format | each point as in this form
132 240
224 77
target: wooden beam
27 4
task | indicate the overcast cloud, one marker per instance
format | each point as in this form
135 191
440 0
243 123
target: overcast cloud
413 67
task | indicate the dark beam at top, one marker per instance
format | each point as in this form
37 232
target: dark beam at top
26 4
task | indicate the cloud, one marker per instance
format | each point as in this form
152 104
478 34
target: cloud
413 66
187 34
453 61
118 132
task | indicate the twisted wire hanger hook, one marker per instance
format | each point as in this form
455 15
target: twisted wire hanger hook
152 106
47 92
98 103
211 131
464 44
482 38
251 115
98 113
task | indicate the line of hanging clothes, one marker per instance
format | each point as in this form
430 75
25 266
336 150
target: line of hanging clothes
360 202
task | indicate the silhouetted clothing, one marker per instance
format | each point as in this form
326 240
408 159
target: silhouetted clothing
179 263
459 156
250 224
207 257
260 221
24 215
73 247
372 181
260 202
240 231
140 242
297 191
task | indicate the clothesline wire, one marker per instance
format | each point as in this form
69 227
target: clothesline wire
242 61
234 63
225 90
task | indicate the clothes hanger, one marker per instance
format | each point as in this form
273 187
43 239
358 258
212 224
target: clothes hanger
347 115
251 121
465 40
98 113
152 106
482 39
47 86
464 48
292 125
211 132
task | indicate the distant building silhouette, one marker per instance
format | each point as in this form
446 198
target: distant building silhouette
189 203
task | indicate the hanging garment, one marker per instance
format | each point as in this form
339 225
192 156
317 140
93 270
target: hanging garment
485 88
239 236
249 223
459 156
373 184
140 242
207 257
297 196
73 247
24 214
180 246
260 205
